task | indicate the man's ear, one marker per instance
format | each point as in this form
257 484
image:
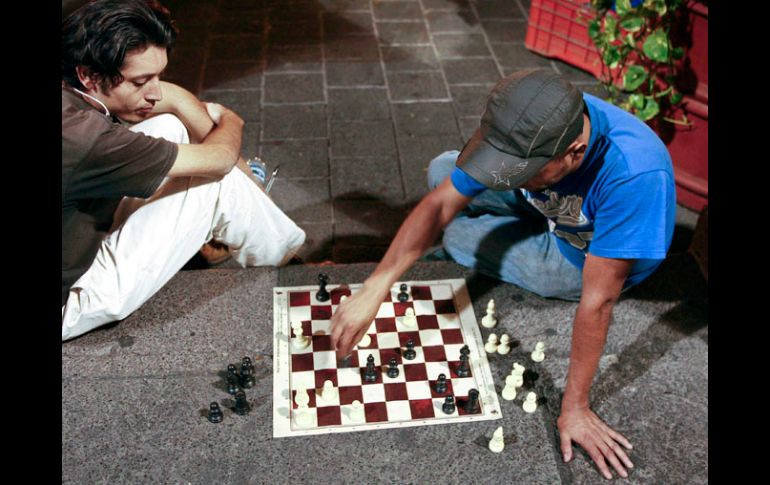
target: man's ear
579 149
87 79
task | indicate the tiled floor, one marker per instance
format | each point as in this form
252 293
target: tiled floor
353 98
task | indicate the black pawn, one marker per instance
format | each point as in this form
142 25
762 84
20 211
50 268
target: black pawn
441 384
247 377
463 370
473 402
322 294
242 406
449 405
232 379
392 368
215 413
465 350
410 352
370 375
403 296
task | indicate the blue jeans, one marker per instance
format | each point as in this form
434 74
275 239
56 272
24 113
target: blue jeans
502 235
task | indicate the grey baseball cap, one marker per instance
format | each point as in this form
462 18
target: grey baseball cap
531 117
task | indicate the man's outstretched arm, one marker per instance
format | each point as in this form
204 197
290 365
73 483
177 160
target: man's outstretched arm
603 280
417 233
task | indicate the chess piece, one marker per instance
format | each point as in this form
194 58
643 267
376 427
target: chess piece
300 341
465 350
302 415
301 396
463 370
409 320
246 378
392 368
491 345
504 346
441 384
530 403
509 391
366 341
518 374
489 319
215 413
242 406
232 379
538 354
322 294
403 296
410 353
497 443
449 405
357 412
328 392
471 406
370 374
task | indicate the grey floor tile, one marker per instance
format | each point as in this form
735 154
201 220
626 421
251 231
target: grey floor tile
424 118
250 139
366 178
298 121
235 47
398 10
184 68
304 200
354 254
470 100
415 86
453 21
358 104
298 158
574 74
305 33
233 75
294 88
241 23
245 103
416 153
516 56
294 58
505 30
409 58
352 47
402 33
446 5
354 73
362 139
461 45
338 5
347 23
498 9
468 126
304 13
364 222
460 71
319 242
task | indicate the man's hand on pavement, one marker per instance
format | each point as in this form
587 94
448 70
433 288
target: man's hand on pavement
352 318
601 442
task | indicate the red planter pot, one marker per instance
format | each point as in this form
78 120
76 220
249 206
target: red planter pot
559 29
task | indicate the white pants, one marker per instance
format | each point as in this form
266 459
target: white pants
151 239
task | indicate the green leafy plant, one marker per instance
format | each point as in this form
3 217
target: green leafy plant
639 61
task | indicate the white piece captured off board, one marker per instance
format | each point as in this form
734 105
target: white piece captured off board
489 320
497 443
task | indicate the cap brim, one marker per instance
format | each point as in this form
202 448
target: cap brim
496 169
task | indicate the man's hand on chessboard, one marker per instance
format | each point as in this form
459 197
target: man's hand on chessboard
352 319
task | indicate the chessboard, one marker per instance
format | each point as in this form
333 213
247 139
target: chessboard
445 324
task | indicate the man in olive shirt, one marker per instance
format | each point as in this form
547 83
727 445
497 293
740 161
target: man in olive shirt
147 173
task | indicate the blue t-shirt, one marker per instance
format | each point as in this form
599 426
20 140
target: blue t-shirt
619 203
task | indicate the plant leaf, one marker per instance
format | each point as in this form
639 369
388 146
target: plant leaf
622 7
636 101
676 97
634 77
632 24
629 40
650 109
611 57
611 27
593 29
656 46
677 53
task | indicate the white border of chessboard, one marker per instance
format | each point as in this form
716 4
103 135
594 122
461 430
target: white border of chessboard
282 425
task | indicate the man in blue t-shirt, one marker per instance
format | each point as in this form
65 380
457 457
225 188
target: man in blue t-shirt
581 207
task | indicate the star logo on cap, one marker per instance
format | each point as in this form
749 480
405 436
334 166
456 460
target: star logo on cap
503 174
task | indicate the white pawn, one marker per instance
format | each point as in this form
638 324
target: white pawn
302 414
530 403
300 341
366 341
489 319
518 374
357 414
301 397
409 319
497 443
491 345
328 393
504 346
538 355
509 391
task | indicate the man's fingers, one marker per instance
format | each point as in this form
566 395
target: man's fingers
618 451
619 438
566 446
598 458
609 455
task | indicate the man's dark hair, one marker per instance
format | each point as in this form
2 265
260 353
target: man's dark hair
99 34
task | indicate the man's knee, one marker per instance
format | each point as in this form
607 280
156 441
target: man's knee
441 167
166 126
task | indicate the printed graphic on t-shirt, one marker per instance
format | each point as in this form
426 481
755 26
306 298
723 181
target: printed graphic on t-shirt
565 216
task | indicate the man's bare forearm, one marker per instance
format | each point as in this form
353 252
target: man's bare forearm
188 108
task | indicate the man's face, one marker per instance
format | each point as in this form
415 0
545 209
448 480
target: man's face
133 99
555 170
